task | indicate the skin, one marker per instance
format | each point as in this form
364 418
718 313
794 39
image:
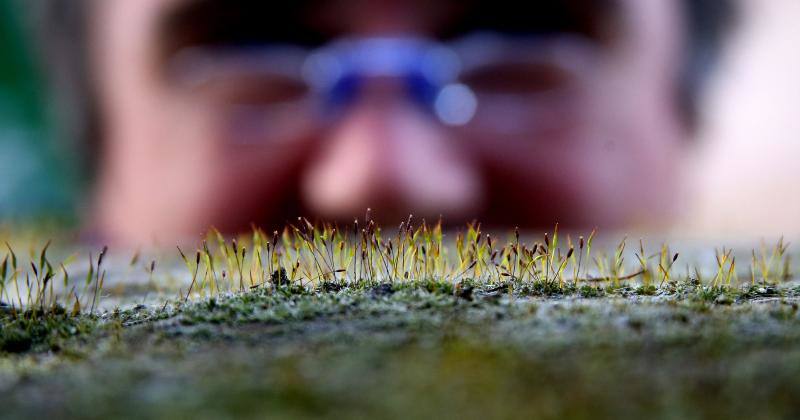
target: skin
609 158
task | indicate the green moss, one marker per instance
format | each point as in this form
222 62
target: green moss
421 351
432 348
38 331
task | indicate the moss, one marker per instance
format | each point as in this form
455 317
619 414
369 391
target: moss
507 349
416 352
37 330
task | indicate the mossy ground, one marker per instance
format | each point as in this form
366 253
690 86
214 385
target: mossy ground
418 350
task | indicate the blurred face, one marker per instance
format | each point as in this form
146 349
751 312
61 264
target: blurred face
228 113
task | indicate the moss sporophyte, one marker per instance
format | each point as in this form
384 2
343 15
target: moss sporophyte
306 257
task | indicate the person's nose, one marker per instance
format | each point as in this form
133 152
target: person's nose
388 155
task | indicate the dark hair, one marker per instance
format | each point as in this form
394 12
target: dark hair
60 27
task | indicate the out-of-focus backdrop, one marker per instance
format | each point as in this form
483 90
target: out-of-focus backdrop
744 176
35 180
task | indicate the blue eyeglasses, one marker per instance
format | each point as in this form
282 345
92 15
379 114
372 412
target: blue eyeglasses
485 83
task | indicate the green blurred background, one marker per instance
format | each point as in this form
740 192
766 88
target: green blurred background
35 181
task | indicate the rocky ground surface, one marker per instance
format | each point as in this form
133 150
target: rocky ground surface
429 349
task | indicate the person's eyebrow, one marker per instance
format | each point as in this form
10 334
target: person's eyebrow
235 22
254 22
594 19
